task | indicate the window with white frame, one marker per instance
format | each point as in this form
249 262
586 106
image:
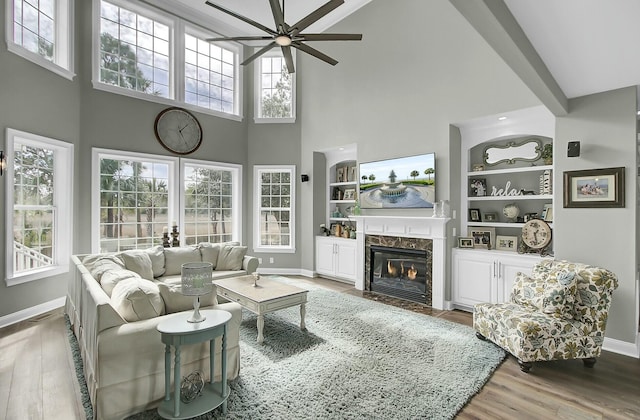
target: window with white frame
275 92
39 190
42 32
137 198
211 202
135 50
146 53
274 198
210 73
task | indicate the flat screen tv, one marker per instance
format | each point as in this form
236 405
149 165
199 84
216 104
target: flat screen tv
405 182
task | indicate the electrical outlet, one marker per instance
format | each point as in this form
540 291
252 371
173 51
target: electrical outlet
259 260
271 260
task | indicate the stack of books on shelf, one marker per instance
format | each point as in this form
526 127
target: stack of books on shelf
545 182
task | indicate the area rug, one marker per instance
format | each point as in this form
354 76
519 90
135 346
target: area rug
358 359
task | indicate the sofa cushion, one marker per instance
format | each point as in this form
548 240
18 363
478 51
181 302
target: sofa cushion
112 277
175 301
175 257
137 299
209 252
139 262
99 264
230 257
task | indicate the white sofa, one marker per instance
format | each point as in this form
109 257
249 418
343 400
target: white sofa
115 302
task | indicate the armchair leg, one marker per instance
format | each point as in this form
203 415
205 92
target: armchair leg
525 366
481 337
589 362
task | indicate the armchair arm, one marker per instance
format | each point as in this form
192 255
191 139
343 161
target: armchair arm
250 264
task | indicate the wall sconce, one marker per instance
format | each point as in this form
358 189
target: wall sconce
3 162
304 178
573 149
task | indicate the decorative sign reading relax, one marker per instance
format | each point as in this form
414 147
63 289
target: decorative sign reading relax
505 192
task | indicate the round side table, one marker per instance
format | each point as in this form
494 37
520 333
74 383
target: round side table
176 331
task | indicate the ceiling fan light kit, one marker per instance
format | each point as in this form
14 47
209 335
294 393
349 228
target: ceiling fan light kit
286 36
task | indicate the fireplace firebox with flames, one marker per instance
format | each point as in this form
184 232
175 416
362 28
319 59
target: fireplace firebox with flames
400 272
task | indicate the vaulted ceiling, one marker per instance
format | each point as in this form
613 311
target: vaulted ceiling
588 46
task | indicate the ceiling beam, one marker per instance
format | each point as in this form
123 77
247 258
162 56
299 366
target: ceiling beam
495 23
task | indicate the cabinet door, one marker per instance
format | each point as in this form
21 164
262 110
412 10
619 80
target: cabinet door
473 278
508 268
346 260
325 256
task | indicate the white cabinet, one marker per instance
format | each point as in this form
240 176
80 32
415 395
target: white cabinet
336 257
486 276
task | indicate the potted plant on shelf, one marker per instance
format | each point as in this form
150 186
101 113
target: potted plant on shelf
547 154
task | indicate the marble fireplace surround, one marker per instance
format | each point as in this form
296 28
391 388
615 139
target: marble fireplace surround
406 227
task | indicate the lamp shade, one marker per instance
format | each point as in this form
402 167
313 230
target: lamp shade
196 278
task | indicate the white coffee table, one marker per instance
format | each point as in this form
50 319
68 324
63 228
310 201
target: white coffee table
268 296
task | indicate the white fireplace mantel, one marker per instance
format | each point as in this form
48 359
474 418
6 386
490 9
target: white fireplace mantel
407 227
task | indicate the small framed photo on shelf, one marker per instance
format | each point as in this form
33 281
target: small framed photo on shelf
349 194
482 237
474 215
547 213
477 187
465 242
353 174
340 174
529 216
506 243
491 217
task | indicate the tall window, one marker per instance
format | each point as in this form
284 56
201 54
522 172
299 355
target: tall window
137 196
42 31
144 52
274 198
209 75
211 202
134 50
135 199
39 180
275 93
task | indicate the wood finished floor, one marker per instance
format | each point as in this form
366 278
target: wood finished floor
37 377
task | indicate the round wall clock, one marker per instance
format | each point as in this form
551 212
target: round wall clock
536 235
178 130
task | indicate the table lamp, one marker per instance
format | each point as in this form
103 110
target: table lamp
196 281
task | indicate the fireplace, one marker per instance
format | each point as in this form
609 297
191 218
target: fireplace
399 267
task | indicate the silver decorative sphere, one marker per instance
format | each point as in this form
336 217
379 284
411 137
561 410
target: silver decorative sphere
511 212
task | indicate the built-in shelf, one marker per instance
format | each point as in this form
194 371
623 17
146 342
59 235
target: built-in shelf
512 197
511 170
501 224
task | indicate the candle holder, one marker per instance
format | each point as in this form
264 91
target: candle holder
165 240
174 235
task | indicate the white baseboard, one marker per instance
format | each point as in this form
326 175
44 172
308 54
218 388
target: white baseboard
10 319
622 347
283 271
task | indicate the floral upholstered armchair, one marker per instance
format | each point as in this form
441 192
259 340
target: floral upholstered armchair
560 312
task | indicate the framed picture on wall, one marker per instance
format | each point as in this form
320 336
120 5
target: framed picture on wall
594 188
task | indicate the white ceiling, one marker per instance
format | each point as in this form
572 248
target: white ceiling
589 46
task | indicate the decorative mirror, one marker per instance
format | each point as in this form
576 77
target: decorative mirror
528 150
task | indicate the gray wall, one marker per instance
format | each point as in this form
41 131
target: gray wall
37 101
605 124
419 68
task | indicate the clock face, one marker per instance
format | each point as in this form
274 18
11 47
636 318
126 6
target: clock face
536 234
178 130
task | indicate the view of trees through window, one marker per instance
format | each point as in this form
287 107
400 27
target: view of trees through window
276 89
33 207
275 208
134 200
34 26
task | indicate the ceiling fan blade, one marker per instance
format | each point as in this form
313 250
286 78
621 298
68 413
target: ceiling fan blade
242 18
329 37
314 16
288 58
314 52
278 15
241 38
259 53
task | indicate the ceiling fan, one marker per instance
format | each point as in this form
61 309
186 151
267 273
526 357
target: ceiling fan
287 36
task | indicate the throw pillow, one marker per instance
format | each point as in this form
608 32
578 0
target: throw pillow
175 257
103 264
209 252
139 262
559 295
137 299
110 278
175 301
156 254
230 258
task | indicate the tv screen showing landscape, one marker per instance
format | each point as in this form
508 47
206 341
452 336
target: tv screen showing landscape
406 182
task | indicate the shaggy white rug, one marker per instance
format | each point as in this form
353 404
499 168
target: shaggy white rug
359 359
